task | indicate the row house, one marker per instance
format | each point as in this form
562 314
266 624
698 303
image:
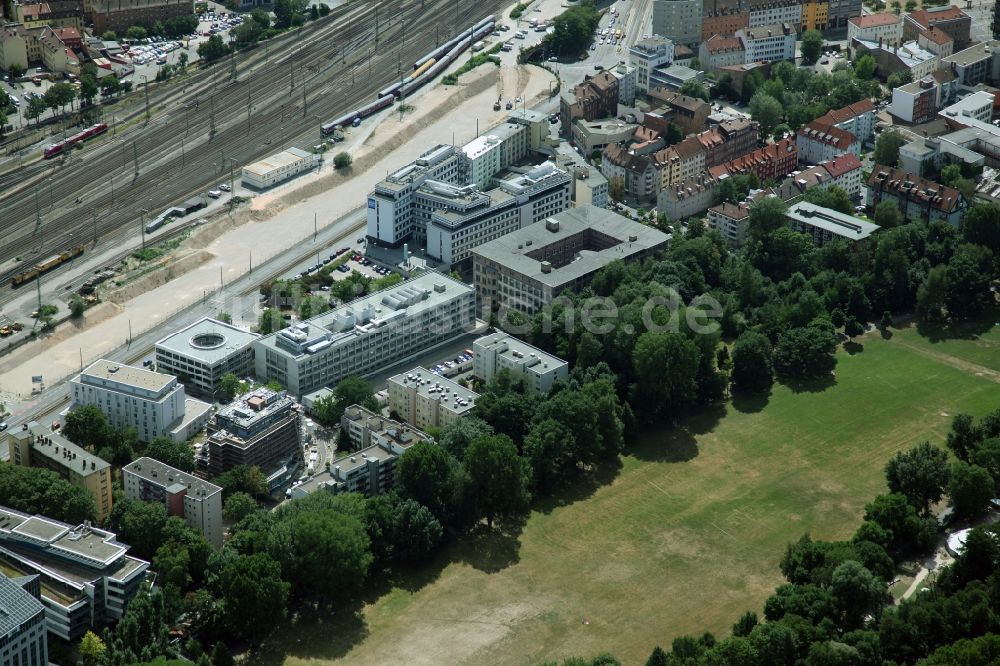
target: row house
936 41
596 97
638 173
680 162
917 198
728 140
718 51
815 15
688 198
724 21
843 172
857 118
774 12
820 141
772 161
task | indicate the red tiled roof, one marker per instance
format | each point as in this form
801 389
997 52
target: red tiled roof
936 35
773 152
720 44
828 134
838 166
874 20
911 186
838 116
928 18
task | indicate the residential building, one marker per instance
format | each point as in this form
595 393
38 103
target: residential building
688 113
772 161
977 64
24 639
917 198
18 46
428 400
278 168
186 496
683 55
978 105
54 14
723 17
647 55
151 403
637 172
365 428
688 197
857 118
916 102
257 428
596 97
885 28
591 135
970 146
367 334
769 42
626 75
680 162
908 57
34 445
774 12
119 15
500 351
815 15
936 41
200 354
678 20
728 140
948 19
843 172
820 141
731 221
842 10
718 51
85 576
824 225
526 269
589 186
738 73
673 77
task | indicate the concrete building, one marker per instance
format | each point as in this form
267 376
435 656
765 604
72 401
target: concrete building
428 400
978 106
24 639
119 15
647 55
151 403
843 172
917 198
976 64
769 42
718 51
500 351
589 186
200 354
673 77
730 220
596 97
678 20
824 225
886 28
34 445
948 19
367 334
772 161
526 269
688 197
626 75
842 10
820 142
937 42
970 146
857 118
774 12
86 577
919 101
186 496
278 168
258 428
365 428
908 57
591 135
483 159
815 15
54 14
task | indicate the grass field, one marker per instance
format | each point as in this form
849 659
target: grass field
683 538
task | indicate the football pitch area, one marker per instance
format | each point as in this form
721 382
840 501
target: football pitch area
683 537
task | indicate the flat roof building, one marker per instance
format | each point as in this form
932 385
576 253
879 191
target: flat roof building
23 636
526 269
427 400
199 354
258 428
279 167
86 576
365 335
501 351
824 225
34 445
197 501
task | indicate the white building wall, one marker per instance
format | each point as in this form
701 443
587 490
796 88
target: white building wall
151 417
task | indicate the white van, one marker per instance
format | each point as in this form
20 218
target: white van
215 194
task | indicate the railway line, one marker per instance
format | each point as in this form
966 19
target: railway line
277 100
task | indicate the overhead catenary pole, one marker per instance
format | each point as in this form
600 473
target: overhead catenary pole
135 157
146 89
38 212
93 212
142 226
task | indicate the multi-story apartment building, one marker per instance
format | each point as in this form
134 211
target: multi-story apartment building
596 97
680 162
678 20
728 140
85 575
647 55
151 403
936 41
195 500
774 12
54 14
885 28
917 198
526 269
815 15
366 334
34 445
119 15
948 19
258 428
823 225
638 172
688 113
723 18
24 639
769 42
718 51
731 221
820 142
843 172
626 75
772 161
19 46
977 64
919 101
842 10
909 58
500 351
857 118
428 400
687 197
200 354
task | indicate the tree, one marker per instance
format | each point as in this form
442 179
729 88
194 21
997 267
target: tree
270 321
856 592
805 352
753 363
313 12
284 13
426 474
221 655
971 488
766 215
657 658
964 437
182 61
175 454
35 490
887 214
251 588
238 506
665 366
887 147
812 46
981 226
616 188
765 110
92 649
59 95
323 9
139 524
674 134
245 478
920 474
933 294
229 386
457 437
36 107
261 18
549 448
498 478
342 161
135 32
969 273
415 532
76 306
212 49
833 198
897 79
693 88
352 390
864 67
892 522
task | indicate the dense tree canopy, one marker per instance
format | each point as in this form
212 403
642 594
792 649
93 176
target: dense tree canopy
39 491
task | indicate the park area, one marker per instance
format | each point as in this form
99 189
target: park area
683 537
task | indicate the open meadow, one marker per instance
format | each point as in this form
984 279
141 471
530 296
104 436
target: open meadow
683 537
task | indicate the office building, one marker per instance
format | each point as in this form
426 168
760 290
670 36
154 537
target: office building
884 28
589 186
769 42
823 225
673 77
971 147
257 428
591 135
428 400
278 168
688 113
500 351
365 428
151 403
526 269
195 500
647 55
978 106
820 141
948 19
86 577
626 75
119 15
976 64
367 334
919 101
200 354
906 58
678 20
33 445
24 639
917 198
842 10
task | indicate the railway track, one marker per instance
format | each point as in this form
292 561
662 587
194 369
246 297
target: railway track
335 68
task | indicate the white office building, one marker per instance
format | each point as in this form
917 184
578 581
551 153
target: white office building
23 636
772 43
199 354
152 403
646 56
276 168
428 400
195 500
500 351
367 334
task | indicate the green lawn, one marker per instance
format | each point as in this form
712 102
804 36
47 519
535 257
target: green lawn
683 538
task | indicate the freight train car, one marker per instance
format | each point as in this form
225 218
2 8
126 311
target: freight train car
46 265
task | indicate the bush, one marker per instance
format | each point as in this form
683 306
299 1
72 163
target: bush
77 306
342 161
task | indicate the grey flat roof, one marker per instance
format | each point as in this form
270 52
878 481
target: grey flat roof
160 473
516 350
232 340
128 374
846 226
60 450
17 606
973 53
432 385
276 161
512 249
52 537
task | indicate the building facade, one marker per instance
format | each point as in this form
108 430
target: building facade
500 351
884 28
688 197
119 15
820 142
200 354
596 97
843 172
857 118
427 400
730 220
772 161
977 64
678 20
774 12
949 19
718 51
258 428
24 638
823 225
917 198
647 55
769 42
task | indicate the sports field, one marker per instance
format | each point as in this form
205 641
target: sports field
684 537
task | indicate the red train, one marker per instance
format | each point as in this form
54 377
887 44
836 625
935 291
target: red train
66 144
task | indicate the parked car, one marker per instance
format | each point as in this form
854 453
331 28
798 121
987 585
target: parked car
215 194
225 188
